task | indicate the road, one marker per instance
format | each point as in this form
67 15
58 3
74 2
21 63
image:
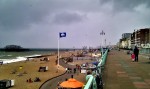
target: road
52 83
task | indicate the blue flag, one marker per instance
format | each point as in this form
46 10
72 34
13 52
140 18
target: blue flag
62 34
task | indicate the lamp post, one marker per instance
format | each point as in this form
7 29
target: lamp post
135 37
102 33
105 43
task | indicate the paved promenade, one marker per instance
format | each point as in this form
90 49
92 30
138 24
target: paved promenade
121 73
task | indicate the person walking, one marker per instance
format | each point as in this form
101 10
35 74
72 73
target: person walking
74 70
136 53
133 57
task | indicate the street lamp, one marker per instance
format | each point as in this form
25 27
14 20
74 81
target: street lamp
102 33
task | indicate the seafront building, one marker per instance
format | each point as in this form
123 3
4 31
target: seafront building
140 38
125 41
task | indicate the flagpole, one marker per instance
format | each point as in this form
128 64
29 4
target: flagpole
62 34
102 45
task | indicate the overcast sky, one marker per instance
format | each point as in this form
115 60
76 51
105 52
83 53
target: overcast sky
37 23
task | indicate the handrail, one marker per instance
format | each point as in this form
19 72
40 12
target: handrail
89 83
104 58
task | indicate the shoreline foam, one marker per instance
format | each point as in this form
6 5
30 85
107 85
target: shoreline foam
18 59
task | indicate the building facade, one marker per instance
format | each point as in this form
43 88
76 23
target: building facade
126 35
140 37
125 41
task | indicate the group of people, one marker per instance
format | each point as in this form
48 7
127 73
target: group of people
135 54
74 70
69 70
98 78
37 79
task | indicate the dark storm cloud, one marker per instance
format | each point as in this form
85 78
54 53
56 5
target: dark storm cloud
128 5
67 18
31 23
19 14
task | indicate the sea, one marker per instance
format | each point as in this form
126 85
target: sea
10 57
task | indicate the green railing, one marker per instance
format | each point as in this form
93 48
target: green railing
91 83
104 58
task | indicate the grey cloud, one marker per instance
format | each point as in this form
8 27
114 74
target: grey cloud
67 18
125 5
38 18
18 14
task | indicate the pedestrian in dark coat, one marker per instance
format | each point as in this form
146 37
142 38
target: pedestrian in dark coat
136 53
74 70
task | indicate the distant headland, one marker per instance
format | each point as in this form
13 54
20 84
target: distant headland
14 48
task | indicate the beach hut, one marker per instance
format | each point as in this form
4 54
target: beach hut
4 84
1 62
43 68
71 84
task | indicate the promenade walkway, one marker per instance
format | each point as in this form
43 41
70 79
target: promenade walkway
121 73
